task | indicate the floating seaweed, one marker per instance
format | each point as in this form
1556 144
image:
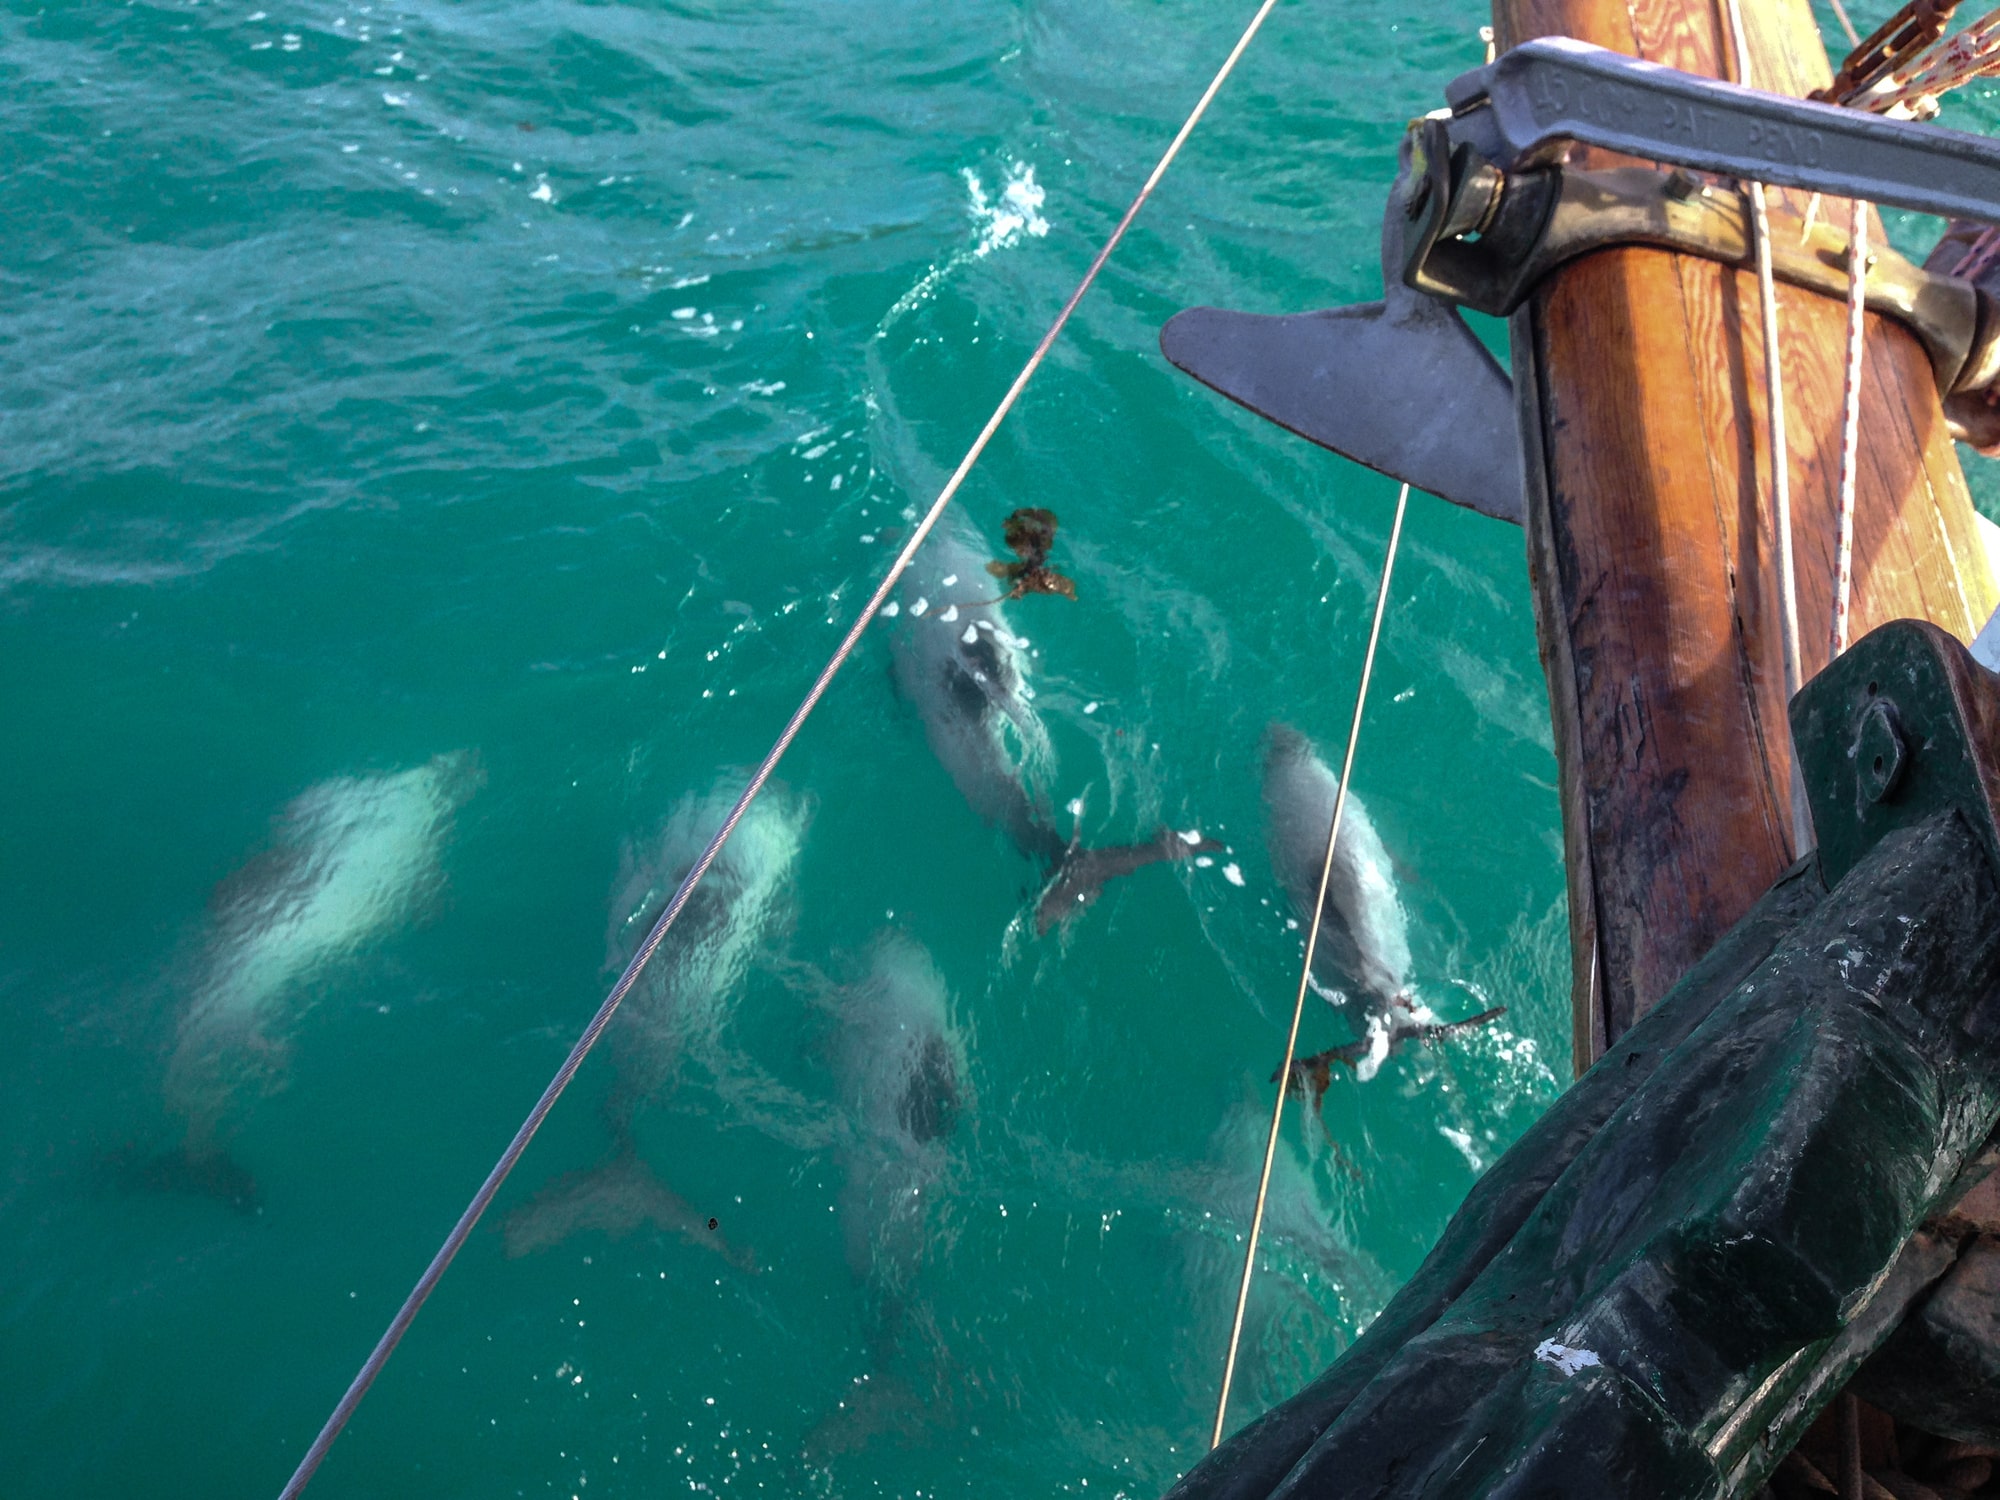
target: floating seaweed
1030 532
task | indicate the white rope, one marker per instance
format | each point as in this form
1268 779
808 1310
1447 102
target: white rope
1781 481
462 1230
1305 969
1850 425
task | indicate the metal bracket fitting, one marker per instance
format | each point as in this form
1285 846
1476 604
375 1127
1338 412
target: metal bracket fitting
1521 110
1484 238
1903 726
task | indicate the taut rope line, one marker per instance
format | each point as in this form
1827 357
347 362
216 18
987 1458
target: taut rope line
1305 969
1781 477
1850 427
481 1200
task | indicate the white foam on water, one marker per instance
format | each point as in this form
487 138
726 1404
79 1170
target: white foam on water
950 613
891 610
949 578
1191 836
1233 873
1463 1140
920 606
1370 1063
1204 862
1016 211
971 634
1090 707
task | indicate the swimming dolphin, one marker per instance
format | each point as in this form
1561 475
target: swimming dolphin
959 663
900 1066
1364 933
351 858
680 1006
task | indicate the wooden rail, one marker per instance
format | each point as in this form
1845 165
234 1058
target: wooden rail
1650 537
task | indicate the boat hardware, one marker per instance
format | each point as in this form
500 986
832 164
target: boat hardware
1661 1304
1890 736
1891 46
1483 239
1401 385
1525 108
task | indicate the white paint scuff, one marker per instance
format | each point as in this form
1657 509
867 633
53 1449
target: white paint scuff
1569 1361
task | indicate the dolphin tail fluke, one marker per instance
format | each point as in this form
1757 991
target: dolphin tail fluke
1432 1031
616 1198
205 1172
1083 873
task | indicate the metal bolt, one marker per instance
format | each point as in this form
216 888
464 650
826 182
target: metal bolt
1880 754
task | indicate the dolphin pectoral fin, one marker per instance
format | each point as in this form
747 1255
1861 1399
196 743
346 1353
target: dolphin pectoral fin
209 1172
616 1198
1432 1032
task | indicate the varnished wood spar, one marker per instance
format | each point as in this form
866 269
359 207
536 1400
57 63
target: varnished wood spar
1650 538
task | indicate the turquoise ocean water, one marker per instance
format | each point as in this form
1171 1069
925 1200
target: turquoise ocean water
439 442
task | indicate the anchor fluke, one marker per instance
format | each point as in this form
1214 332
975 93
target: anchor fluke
1401 386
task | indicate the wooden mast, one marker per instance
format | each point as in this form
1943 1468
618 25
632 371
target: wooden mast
1650 536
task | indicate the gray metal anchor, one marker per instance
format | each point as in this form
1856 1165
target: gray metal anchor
1401 385
1484 208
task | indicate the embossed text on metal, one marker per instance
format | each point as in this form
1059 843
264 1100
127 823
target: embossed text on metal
1554 89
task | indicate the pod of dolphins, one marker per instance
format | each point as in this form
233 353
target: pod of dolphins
353 856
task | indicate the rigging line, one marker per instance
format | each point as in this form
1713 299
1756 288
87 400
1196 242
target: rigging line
1853 40
1305 969
1850 426
462 1230
1781 480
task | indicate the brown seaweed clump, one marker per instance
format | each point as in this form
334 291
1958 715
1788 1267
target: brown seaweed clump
1030 532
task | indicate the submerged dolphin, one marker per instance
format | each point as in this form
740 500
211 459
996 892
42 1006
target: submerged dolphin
966 672
1364 934
351 858
900 1065
899 1062
679 1007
